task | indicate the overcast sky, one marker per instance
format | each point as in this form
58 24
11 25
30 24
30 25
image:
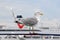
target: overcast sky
50 8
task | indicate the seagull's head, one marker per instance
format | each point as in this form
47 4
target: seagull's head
38 13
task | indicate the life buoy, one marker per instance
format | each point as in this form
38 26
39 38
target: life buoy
20 25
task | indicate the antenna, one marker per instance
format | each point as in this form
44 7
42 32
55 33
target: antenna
13 14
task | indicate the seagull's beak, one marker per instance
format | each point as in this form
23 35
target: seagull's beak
41 14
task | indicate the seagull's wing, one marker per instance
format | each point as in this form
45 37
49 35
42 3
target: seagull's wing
30 21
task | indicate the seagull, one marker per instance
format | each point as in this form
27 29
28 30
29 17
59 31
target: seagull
32 21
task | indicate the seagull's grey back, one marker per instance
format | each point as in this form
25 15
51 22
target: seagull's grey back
30 21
